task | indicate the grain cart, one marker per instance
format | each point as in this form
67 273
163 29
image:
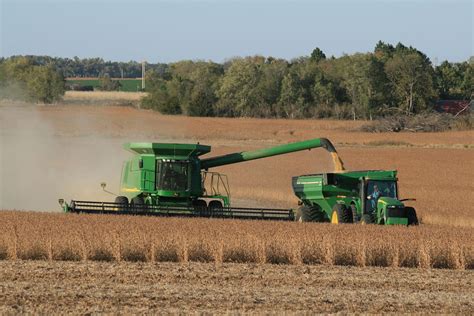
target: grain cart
172 179
350 197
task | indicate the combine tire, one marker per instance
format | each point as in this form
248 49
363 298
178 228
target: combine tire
341 214
137 204
411 215
200 208
366 219
123 201
308 214
215 208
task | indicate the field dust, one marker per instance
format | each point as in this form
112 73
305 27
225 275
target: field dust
65 151
39 287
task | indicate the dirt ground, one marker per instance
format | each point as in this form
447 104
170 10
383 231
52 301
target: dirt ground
86 287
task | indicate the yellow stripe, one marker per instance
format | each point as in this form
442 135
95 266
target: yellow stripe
130 190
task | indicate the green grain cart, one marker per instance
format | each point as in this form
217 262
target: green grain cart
349 197
173 180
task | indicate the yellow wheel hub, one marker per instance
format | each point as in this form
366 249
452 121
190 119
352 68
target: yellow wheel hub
334 218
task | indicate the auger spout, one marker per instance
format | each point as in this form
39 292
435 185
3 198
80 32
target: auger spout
274 151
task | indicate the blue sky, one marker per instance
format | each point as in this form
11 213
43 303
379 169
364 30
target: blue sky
166 31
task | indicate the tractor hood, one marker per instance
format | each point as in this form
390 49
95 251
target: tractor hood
385 201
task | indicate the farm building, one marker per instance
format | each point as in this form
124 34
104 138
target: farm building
455 107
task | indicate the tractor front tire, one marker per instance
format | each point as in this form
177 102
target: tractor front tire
137 204
411 216
341 214
216 208
123 201
366 219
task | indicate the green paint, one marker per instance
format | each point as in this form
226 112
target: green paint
127 85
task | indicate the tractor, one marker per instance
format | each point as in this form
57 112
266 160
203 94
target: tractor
352 196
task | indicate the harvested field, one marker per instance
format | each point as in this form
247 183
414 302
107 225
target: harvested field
434 168
69 237
99 96
41 287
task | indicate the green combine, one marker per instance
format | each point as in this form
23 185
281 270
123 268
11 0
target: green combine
169 179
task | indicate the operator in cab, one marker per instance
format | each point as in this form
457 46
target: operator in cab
374 196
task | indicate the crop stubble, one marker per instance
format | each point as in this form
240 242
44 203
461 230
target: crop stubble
138 288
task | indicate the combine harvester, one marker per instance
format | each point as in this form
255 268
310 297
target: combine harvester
172 180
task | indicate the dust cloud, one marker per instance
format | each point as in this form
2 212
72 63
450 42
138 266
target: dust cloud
40 163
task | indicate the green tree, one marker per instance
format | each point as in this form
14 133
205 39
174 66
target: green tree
45 84
411 79
467 85
317 55
238 95
108 84
21 79
189 88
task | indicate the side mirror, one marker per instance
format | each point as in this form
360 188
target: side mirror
103 185
61 202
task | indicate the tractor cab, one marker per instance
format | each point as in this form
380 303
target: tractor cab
380 201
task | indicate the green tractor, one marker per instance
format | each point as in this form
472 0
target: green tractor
350 197
169 179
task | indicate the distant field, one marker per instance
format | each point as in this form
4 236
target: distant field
99 96
128 84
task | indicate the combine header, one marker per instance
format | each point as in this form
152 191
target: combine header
167 179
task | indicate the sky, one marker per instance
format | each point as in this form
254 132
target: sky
167 31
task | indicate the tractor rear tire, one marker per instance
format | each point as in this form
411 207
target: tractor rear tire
306 213
216 208
341 214
123 201
411 216
137 204
366 219
200 208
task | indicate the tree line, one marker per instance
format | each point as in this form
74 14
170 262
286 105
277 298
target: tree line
94 67
389 80
392 79
22 79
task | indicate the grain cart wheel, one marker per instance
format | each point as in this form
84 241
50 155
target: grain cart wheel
411 215
307 214
200 208
341 214
123 201
215 208
366 219
137 204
